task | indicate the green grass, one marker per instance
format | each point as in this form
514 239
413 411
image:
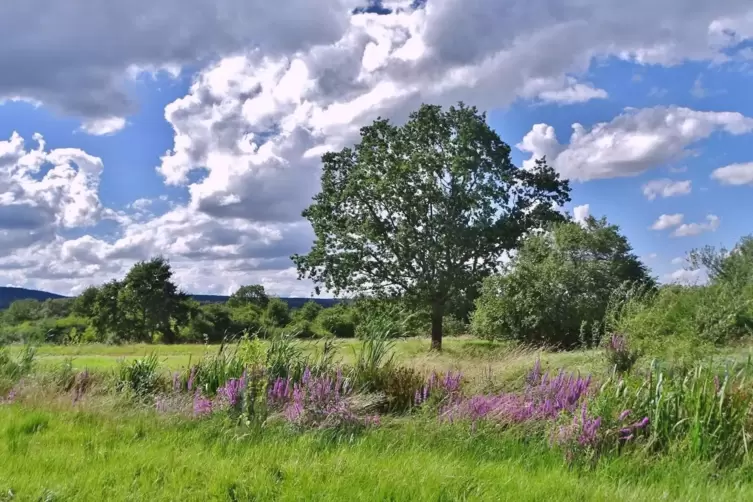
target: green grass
69 455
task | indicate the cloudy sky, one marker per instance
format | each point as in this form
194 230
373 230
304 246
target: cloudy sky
194 128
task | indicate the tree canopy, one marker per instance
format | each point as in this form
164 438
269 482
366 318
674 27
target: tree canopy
557 287
424 210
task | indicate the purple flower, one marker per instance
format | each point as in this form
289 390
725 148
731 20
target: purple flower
624 415
201 405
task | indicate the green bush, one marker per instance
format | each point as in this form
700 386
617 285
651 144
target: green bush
558 286
399 384
140 376
308 312
683 322
337 321
277 313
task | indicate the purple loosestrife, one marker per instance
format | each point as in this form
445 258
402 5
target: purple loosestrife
317 401
202 406
544 397
441 386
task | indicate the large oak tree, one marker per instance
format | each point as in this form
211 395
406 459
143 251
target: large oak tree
424 211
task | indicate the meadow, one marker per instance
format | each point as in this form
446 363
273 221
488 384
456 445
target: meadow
61 439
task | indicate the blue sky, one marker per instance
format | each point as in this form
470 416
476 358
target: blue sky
198 136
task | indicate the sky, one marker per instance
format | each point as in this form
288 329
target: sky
193 129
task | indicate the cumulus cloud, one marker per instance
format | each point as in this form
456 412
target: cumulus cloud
104 126
686 277
44 190
666 188
85 54
666 221
632 143
692 229
581 213
576 93
734 174
678 260
82 54
289 81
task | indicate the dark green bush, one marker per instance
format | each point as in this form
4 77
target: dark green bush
337 321
558 286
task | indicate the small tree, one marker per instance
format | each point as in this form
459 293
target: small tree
424 211
558 286
83 305
277 313
253 294
151 301
107 317
308 311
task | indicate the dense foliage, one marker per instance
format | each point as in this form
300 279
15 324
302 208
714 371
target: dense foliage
424 211
557 287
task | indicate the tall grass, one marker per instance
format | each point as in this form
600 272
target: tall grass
702 413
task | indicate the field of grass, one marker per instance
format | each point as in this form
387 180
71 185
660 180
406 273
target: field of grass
110 447
470 355
53 455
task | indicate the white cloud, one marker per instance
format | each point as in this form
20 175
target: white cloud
666 221
65 196
576 93
678 260
289 81
686 277
449 44
632 143
581 213
692 229
103 127
666 188
734 174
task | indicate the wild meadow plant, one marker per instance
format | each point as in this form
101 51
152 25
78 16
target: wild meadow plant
544 397
619 355
439 388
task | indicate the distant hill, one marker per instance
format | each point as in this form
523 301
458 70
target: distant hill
9 295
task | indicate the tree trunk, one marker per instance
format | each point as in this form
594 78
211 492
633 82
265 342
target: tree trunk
437 314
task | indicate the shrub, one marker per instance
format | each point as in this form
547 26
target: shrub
681 323
337 321
399 385
308 312
558 286
140 376
277 313
453 326
619 355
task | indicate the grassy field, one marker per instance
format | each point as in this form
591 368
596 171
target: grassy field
466 354
53 455
108 447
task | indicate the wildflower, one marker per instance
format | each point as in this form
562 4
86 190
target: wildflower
201 405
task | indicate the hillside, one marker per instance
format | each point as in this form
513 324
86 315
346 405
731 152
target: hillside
9 294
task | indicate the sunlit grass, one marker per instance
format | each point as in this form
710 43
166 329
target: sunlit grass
140 456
